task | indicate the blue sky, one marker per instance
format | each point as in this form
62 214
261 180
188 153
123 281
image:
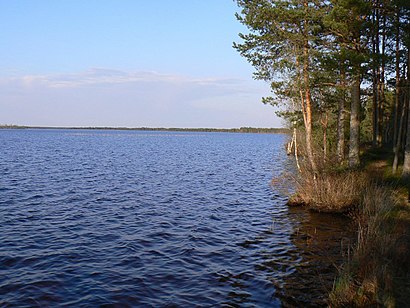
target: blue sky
126 63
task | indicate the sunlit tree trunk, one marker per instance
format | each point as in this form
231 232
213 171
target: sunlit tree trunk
308 110
308 97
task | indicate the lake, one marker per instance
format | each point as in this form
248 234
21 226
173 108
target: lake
140 218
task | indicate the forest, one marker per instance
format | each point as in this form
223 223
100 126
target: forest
339 72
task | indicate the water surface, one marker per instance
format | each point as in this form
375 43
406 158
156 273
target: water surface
131 218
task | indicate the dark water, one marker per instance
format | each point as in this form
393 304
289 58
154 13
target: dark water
130 218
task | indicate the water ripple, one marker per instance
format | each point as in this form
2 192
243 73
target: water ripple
92 218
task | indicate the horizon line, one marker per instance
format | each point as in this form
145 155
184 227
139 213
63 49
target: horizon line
139 128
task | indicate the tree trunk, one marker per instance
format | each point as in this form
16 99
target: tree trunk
325 121
354 160
381 80
308 127
307 94
341 119
398 145
295 136
375 71
406 164
397 94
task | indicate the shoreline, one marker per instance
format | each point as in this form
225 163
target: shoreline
257 130
377 269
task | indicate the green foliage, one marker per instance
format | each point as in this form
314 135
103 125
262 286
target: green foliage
274 44
339 35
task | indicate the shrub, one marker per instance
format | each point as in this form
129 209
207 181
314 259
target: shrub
328 190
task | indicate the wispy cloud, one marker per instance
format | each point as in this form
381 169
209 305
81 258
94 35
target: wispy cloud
100 96
106 77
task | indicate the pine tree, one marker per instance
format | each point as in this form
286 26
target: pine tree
347 22
280 46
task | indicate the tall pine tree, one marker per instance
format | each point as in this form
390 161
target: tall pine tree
280 46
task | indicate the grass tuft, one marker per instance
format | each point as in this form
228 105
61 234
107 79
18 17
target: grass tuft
329 190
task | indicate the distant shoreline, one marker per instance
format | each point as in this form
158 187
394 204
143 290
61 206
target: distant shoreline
170 129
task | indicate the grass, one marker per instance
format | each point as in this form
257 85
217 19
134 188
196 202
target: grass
330 192
367 278
378 272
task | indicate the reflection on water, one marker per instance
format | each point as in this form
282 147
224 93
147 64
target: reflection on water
323 240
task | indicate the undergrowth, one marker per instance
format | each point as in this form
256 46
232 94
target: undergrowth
328 189
369 275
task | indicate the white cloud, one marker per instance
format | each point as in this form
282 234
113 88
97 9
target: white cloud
99 76
106 97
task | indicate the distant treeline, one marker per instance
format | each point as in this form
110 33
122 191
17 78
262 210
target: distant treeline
12 126
224 130
172 129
